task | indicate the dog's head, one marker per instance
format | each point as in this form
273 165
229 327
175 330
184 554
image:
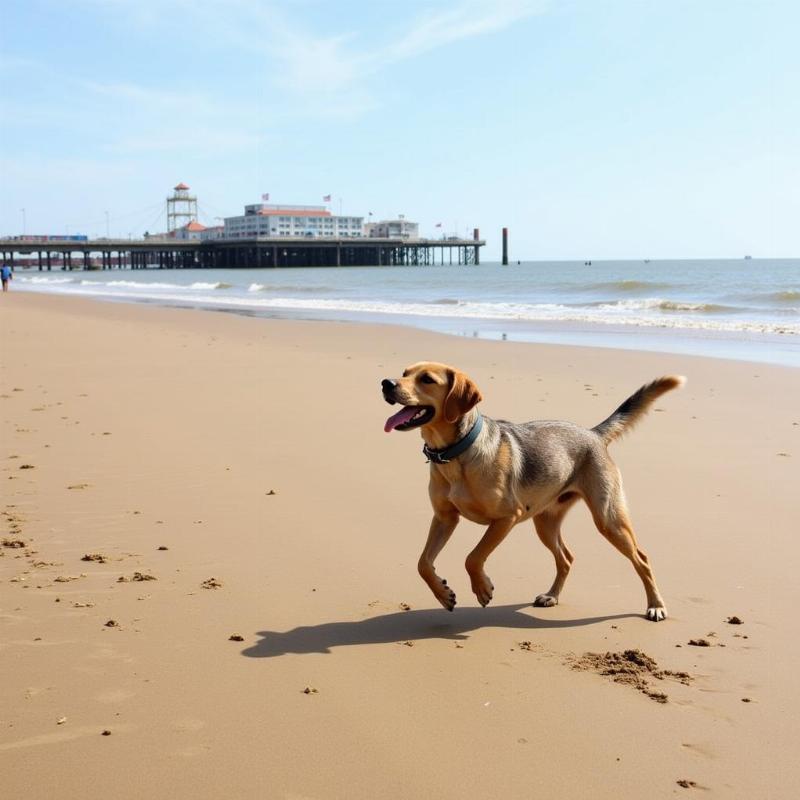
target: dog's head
430 393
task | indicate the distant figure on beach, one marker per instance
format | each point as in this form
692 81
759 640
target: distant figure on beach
6 275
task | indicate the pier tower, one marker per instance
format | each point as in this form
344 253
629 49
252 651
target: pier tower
181 208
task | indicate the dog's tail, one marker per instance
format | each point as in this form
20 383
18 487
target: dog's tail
635 407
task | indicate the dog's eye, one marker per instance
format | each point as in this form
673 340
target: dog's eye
427 378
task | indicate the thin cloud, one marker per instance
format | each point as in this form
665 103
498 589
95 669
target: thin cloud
463 21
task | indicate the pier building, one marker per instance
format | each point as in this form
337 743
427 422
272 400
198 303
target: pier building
399 228
287 221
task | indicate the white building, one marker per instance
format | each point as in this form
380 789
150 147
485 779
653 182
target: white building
262 219
192 231
392 229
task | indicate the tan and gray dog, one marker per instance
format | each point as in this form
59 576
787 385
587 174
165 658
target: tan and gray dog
498 473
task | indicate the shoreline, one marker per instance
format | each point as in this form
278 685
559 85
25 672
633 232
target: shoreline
748 346
190 446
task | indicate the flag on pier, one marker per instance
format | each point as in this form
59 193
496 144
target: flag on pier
265 197
326 198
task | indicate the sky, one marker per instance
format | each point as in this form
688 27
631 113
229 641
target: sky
592 129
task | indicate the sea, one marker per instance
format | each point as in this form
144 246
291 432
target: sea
744 309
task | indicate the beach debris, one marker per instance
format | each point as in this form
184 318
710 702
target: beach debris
631 668
78 486
61 720
235 637
26 466
163 547
699 642
747 700
405 607
137 576
112 623
527 645
14 543
98 557
407 643
687 784
83 605
106 732
211 583
68 578
310 690
734 620
270 493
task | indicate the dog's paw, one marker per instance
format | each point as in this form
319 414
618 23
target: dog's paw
545 601
656 613
445 595
483 588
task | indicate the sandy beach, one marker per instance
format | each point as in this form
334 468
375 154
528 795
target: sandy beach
229 477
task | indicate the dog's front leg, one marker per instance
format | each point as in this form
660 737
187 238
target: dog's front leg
495 533
442 526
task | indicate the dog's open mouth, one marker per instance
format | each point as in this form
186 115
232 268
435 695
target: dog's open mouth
409 417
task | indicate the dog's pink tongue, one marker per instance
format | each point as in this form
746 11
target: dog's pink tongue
404 415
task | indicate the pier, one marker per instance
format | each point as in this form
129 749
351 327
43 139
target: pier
259 252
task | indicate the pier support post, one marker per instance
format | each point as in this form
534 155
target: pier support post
505 247
40 260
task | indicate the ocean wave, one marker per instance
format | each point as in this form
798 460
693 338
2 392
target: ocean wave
786 296
659 304
45 280
217 285
545 312
132 284
642 313
280 287
156 284
623 286
445 301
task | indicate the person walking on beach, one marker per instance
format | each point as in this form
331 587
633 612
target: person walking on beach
6 275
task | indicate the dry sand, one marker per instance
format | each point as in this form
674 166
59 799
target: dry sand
241 464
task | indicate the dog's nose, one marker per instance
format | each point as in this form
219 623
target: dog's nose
388 386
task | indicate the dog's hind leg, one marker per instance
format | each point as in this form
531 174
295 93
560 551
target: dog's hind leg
607 504
548 527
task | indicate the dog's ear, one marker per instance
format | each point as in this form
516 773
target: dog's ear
463 396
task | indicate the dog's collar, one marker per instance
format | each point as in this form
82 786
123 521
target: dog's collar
447 454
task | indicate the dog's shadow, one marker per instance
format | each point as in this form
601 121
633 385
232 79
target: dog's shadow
406 626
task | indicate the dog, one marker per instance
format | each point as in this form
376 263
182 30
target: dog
499 473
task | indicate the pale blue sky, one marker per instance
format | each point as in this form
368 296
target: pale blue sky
591 128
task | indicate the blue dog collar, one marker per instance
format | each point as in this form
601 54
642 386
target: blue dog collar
447 454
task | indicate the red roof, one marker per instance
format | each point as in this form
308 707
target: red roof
194 226
291 212
181 187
